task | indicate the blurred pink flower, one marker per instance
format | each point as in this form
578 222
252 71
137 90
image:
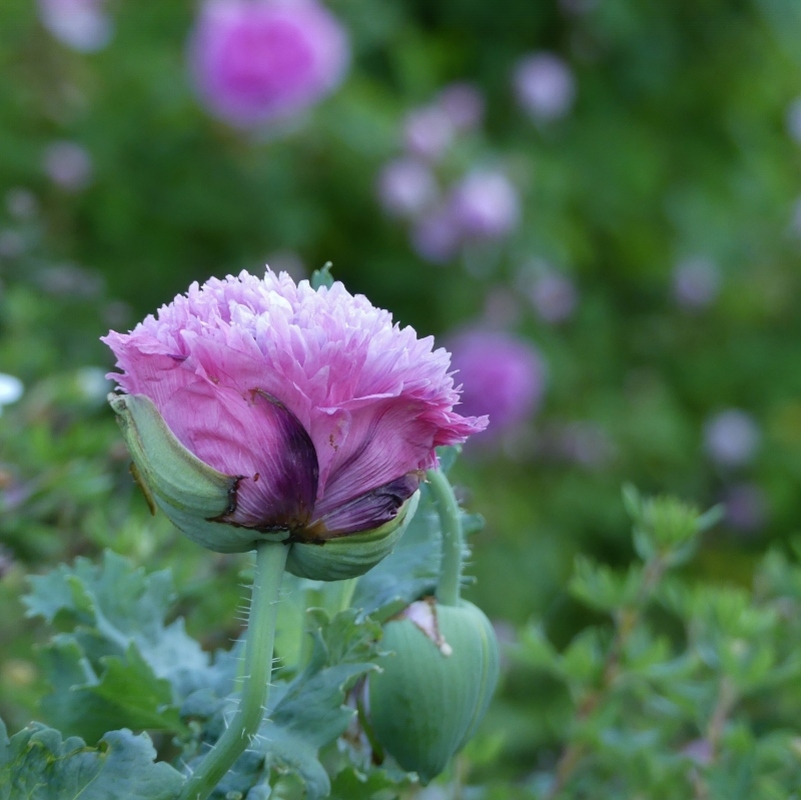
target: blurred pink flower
254 61
485 205
731 437
83 25
326 410
463 105
696 283
544 86
68 165
406 187
436 236
746 507
552 294
428 132
502 376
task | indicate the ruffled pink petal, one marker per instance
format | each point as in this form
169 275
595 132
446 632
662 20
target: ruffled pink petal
368 511
381 439
148 367
255 437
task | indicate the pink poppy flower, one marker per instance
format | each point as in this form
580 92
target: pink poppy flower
254 61
323 410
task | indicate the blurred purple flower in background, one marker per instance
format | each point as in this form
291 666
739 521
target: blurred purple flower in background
501 375
82 25
68 165
793 120
544 86
463 105
436 237
552 294
428 132
255 61
731 437
696 283
746 507
406 187
485 205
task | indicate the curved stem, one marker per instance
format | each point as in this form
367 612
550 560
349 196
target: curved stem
270 560
450 571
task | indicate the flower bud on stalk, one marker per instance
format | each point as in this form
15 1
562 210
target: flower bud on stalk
436 686
261 411
431 695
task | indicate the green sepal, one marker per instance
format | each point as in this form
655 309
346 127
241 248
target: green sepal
431 695
353 554
190 492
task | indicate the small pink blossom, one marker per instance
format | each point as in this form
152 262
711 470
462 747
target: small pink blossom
68 165
436 236
324 408
553 295
406 187
544 86
696 283
731 437
83 25
255 61
746 507
485 205
463 105
428 132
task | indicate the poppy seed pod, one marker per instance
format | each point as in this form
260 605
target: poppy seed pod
435 687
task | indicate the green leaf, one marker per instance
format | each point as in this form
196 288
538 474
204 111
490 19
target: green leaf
600 587
37 764
127 694
351 784
119 666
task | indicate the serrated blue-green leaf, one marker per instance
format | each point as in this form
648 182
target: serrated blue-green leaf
127 694
37 764
119 644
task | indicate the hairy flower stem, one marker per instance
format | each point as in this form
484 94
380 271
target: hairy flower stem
450 572
270 560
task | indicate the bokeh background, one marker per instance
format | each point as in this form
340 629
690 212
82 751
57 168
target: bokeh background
595 203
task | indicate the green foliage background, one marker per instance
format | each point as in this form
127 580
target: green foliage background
677 145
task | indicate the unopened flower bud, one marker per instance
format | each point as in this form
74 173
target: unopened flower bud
433 692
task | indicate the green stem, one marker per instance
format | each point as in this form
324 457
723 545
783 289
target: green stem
342 594
450 572
270 560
